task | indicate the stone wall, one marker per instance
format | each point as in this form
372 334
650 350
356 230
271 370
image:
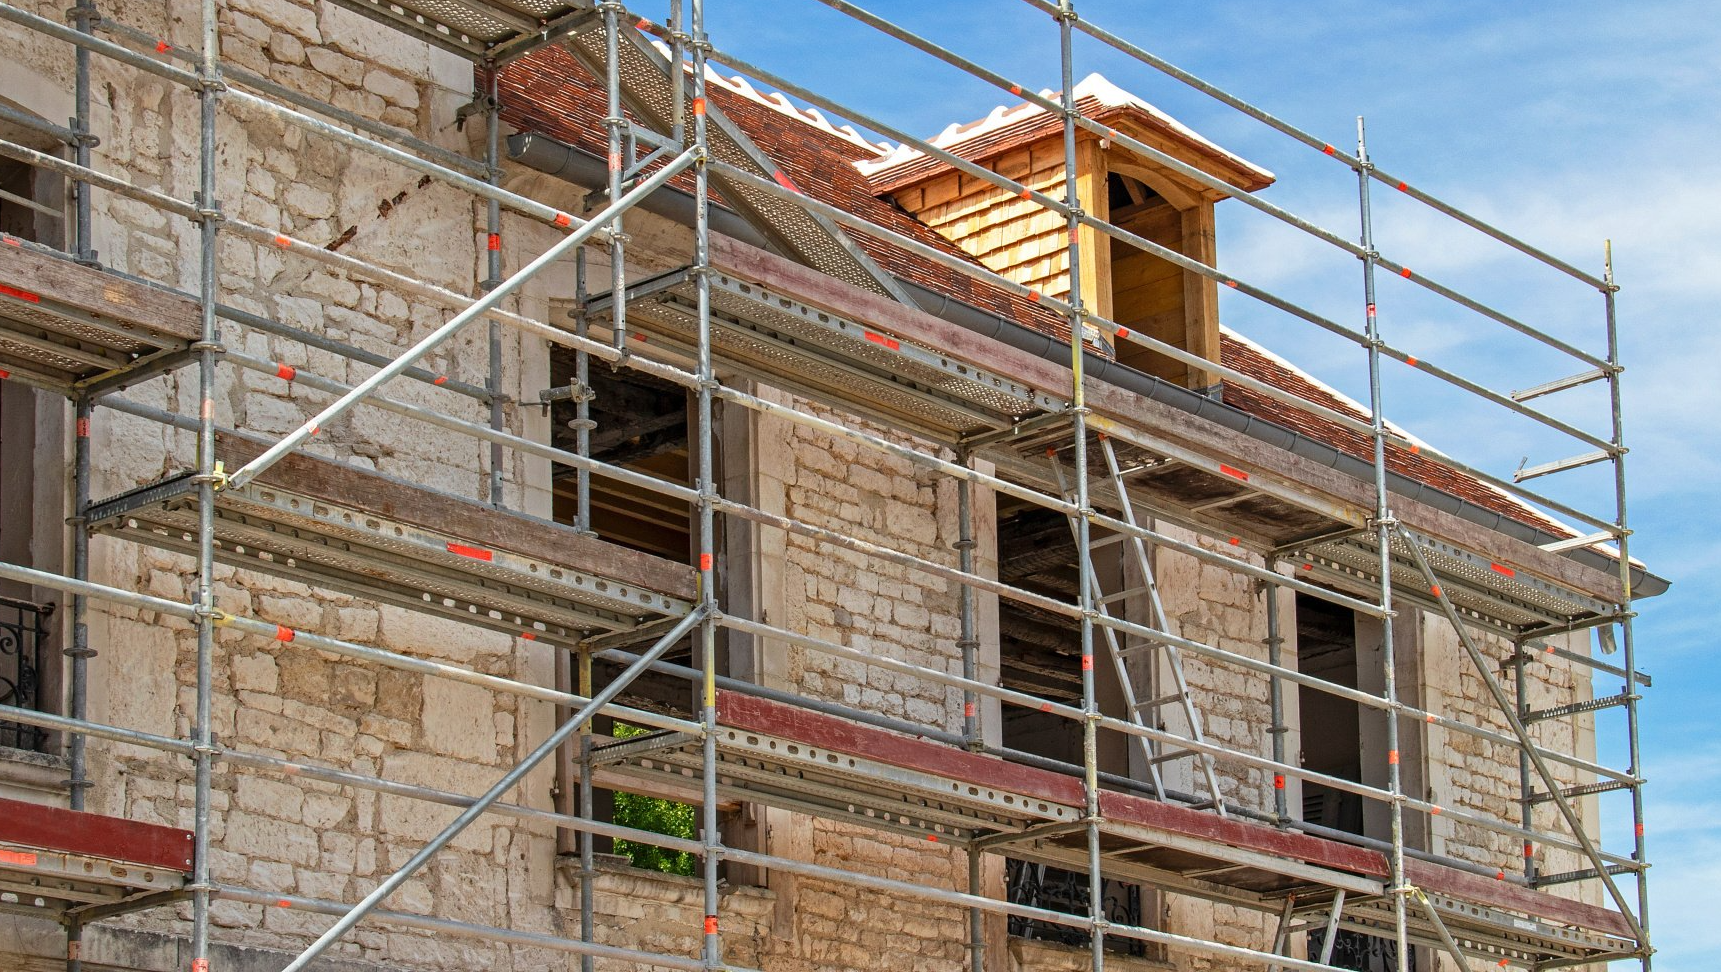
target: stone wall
269 832
288 835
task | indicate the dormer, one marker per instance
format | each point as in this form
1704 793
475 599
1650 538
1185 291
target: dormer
1017 238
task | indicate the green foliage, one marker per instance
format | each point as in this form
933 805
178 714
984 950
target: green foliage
658 816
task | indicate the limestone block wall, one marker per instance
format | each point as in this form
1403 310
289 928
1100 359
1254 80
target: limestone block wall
853 598
665 913
302 837
279 833
1482 777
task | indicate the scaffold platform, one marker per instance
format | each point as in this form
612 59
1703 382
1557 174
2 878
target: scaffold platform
54 860
64 325
796 758
332 526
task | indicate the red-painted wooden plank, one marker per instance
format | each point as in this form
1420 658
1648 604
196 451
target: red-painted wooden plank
1513 897
831 732
841 735
1200 824
56 829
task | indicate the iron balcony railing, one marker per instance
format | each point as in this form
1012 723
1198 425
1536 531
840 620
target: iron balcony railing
1055 889
23 637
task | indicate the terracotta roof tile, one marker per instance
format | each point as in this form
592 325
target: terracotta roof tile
1243 355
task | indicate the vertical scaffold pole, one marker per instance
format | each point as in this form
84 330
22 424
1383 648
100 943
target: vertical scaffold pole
1079 431
1526 807
1628 644
582 400
969 645
1384 528
493 269
588 863
209 74
707 483
1276 697
83 16
968 641
614 122
80 652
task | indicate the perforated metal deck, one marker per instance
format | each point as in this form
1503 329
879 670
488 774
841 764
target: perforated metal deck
1482 591
795 775
478 29
1498 936
1322 541
54 861
789 757
269 529
785 342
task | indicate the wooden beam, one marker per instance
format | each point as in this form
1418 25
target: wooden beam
157 317
94 835
1094 247
1200 294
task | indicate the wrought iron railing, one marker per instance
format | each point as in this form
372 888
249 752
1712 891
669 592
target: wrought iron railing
1362 953
1054 889
23 638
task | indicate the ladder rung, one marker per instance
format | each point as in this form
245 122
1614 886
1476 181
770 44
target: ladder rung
1162 700
1587 789
1559 384
1170 757
1560 465
1123 595
1574 708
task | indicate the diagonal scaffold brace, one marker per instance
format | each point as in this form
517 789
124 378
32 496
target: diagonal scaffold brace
1526 745
597 227
495 793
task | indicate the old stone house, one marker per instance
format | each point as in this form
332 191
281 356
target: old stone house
413 602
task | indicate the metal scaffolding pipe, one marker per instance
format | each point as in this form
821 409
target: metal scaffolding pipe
1325 148
335 646
461 929
589 230
1192 172
509 780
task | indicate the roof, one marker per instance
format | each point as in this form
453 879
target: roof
1011 126
1242 354
549 93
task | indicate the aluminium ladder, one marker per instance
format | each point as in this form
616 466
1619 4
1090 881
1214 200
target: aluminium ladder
1136 664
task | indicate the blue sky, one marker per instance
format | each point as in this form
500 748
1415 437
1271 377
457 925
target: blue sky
1598 121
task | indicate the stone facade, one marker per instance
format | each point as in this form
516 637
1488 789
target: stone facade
287 835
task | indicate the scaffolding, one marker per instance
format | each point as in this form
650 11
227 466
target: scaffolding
827 324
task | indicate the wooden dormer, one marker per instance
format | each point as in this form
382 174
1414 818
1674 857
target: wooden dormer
1017 238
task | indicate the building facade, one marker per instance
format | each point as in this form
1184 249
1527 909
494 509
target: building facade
910 662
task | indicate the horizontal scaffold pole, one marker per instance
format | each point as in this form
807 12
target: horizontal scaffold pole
592 229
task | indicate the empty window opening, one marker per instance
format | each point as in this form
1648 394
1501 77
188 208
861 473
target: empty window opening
1331 726
640 424
1040 654
1343 740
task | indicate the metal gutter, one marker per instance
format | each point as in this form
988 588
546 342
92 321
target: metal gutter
566 162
